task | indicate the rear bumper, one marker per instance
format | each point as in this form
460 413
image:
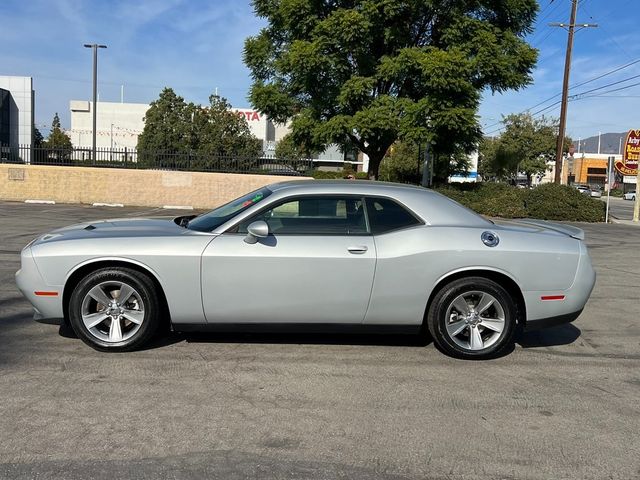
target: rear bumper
531 325
553 311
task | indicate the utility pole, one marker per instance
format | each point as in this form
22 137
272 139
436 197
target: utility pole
565 84
95 48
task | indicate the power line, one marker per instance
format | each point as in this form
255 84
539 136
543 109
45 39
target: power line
598 77
611 91
606 86
585 95
610 72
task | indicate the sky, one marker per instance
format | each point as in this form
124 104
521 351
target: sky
195 46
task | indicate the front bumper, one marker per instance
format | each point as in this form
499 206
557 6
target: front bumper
45 299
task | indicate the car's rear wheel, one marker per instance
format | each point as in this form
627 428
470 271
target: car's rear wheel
114 309
472 318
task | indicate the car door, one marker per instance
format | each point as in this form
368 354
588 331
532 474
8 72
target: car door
316 265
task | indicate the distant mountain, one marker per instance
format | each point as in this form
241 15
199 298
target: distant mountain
609 143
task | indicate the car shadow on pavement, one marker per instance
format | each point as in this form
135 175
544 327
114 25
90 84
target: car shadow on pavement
549 337
298 338
160 341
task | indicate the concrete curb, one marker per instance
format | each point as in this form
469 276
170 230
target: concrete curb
107 204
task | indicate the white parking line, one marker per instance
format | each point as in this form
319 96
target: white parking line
178 207
107 204
47 202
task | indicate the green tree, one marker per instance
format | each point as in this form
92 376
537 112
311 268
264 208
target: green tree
57 139
400 164
38 139
187 135
371 72
525 146
166 128
288 149
221 131
494 162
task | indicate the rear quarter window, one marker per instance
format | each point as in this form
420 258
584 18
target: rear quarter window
386 215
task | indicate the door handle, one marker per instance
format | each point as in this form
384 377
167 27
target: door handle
357 249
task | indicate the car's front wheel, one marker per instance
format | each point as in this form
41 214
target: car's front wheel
472 318
114 309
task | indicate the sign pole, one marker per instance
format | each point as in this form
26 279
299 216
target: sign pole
631 153
609 172
636 206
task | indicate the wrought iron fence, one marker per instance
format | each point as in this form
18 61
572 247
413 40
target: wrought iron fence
153 160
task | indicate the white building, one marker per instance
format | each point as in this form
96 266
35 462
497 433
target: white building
120 124
117 124
16 112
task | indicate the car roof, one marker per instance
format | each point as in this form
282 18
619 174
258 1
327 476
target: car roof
431 206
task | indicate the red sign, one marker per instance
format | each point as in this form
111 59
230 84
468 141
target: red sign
250 115
630 155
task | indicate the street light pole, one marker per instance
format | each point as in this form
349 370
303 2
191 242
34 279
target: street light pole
95 47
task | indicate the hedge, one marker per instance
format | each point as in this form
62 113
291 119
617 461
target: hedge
328 175
546 202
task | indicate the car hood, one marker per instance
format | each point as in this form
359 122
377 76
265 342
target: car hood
533 226
116 228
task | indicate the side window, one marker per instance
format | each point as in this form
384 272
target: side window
386 215
314 216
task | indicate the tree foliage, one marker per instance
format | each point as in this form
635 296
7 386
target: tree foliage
288 149
371 72
400 164
525 146
38 139
57 139
185 132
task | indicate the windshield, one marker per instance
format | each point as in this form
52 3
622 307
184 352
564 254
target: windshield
212 220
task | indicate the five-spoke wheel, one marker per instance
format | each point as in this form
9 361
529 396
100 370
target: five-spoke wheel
472 317
114 309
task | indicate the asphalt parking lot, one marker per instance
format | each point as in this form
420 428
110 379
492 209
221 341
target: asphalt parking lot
563 404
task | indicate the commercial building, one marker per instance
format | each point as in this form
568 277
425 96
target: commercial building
120 124
16 113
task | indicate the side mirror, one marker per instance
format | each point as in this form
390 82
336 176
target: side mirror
256 230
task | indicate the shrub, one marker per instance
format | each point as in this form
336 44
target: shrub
492 199
327 175
560 202
546 202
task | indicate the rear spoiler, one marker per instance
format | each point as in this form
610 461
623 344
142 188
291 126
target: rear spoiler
574 232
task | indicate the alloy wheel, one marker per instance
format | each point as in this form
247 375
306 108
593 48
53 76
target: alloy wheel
475 320
113 311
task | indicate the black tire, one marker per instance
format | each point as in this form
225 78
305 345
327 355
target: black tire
439 316
145 297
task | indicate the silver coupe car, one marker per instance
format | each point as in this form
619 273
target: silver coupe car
321 255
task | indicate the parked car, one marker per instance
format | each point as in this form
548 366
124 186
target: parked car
324 255
595 192
583 189
630 195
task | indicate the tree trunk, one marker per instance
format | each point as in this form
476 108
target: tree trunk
375 158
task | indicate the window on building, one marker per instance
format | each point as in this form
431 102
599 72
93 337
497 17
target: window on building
595 180
596 171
